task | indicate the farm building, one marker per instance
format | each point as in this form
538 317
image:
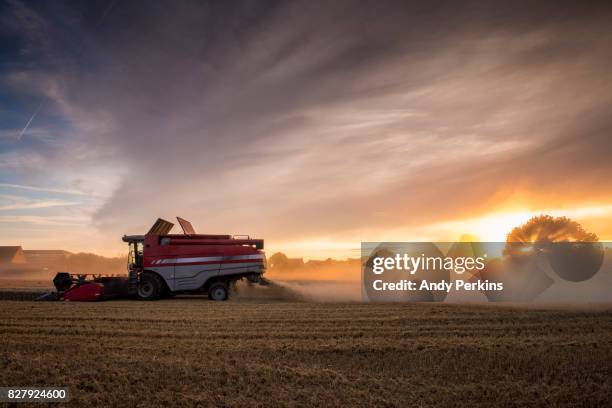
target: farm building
12 255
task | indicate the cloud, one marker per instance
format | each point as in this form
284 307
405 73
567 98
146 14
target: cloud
293 120
42 189
17 134
10 202
54 220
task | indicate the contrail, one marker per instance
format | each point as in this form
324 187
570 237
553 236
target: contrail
27 125
108 9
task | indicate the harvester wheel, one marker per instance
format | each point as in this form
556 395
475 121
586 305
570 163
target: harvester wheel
218 291
150 287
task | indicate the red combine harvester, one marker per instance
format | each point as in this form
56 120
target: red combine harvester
161 264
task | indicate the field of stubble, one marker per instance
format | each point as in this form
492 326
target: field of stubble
196 352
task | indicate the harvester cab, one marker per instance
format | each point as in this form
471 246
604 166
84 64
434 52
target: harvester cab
161 264
135 261
136 252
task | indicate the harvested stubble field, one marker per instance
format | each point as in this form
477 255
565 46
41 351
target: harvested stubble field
196 352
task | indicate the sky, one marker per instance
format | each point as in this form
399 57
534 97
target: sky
314 125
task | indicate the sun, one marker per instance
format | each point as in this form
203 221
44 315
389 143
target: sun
495 226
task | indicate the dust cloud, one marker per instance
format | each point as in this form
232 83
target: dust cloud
299 291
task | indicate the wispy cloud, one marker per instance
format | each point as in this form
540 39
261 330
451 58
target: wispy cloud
45 220
9 202
43 189
14 134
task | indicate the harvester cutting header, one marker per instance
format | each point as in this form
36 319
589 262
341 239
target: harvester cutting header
162 264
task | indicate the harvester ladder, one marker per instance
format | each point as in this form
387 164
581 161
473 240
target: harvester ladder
133 282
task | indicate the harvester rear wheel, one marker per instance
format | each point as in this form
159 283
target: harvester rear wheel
218 291
149 287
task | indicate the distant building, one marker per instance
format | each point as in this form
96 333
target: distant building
54 259
12 255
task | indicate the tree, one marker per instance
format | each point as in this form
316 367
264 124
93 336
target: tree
545 229
576 255
96 264
279 261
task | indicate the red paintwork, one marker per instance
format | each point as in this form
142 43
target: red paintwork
192 241
87 292
200 236
197 246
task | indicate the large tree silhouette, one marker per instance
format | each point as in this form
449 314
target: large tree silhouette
572 252
575 256
546 228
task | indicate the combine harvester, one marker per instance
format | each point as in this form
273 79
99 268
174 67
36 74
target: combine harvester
161 264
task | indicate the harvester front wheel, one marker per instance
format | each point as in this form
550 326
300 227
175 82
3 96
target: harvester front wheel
218 291
149 287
